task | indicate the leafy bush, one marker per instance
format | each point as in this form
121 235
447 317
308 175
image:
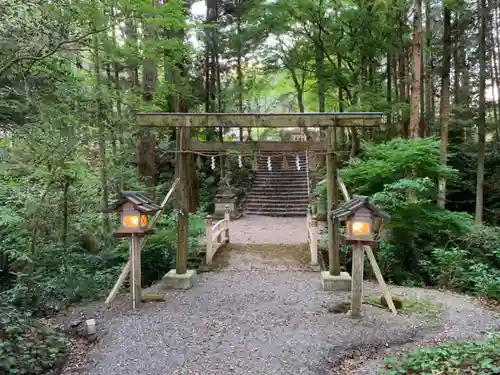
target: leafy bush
422 244
452 357
28 347
158 255
45 267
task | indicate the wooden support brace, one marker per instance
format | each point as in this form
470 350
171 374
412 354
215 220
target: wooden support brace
380 279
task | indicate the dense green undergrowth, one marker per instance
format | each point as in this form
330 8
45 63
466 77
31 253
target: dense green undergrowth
447 358
46 270
422 244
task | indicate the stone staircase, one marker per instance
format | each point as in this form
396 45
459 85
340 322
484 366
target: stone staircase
279 192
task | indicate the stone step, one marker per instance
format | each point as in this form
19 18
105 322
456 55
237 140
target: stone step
276 170
284 199
277 213
278 183
272 191
298 175
277 207
267 214
279 194
278 176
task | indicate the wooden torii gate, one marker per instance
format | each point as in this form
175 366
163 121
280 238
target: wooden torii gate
184 122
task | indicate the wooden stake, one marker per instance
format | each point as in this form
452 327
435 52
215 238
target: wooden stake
357 279
199 163
135 280
332 195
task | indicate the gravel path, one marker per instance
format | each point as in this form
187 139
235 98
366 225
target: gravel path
262 322
257 317
264 230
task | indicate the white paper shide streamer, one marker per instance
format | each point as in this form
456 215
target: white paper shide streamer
297 162
212 162
240 161
269 166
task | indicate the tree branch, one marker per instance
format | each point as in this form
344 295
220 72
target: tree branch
34 58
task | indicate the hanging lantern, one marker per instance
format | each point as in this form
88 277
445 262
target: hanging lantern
269 166
297 162
199 163
240 161
285 162
212 162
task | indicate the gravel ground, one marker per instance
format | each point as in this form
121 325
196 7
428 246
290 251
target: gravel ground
263 322
263 315
269 230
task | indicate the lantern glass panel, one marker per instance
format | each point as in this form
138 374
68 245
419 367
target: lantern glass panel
360 228
144 220
130 221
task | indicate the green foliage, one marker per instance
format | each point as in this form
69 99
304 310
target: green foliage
28 347
423 244
452 357
393 162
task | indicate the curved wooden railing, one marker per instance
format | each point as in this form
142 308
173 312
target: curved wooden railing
312 237
217 234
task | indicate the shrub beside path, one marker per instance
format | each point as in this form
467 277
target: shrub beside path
263 312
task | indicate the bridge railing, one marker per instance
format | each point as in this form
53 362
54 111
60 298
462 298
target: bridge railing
312 237
217 234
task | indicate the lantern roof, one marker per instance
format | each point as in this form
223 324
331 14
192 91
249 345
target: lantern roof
354 204
141 203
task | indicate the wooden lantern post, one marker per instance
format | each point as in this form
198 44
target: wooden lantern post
134 209
359 216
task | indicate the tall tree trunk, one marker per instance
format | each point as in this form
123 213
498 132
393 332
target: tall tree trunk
444 106
401 72
495 35
239 71
413 127
100 119
388 73
146 144
481 121
429 115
